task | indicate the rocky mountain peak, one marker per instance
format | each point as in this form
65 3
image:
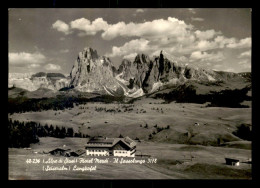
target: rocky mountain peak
126 64
88 53
93 73
142 58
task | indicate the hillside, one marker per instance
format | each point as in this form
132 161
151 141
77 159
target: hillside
217 125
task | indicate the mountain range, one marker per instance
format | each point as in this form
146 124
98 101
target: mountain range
92 73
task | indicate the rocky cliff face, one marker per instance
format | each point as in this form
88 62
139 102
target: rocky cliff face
94 73
149 75
134 74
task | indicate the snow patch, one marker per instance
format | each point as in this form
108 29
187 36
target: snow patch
173 81
107 91
84 89
156 86
138 93
210 78
121 80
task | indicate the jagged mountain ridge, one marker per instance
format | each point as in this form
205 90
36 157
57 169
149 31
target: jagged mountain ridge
150 75
94 73
97 74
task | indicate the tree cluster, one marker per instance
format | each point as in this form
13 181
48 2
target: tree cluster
60 102
244 132
22 134
23 104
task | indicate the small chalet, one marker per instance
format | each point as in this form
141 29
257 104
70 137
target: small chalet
60 152
102 146
66 152
233 162
77 153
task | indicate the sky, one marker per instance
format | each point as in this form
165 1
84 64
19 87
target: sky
49 39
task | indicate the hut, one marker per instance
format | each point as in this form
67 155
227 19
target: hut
232 162
77 153
196 124
59 152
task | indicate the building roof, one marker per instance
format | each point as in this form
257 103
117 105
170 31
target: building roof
129 141
104 142
232 160
59 149
101 140
77 152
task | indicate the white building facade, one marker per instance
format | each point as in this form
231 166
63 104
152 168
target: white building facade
97 152
118 147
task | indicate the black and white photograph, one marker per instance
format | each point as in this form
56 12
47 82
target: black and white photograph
129 93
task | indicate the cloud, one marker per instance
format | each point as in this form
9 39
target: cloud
134 46
245 54
131 57
221 67
222 41
172 35
88 27
24 58
230 70
208 34
64 51
243 43
52 67
197 19
82 24
191 10
33 66
62 27
217 66
204 56
206 45
139 11
233 43
245 64
172 27
198 55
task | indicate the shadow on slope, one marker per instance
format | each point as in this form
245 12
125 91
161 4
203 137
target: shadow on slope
189 93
